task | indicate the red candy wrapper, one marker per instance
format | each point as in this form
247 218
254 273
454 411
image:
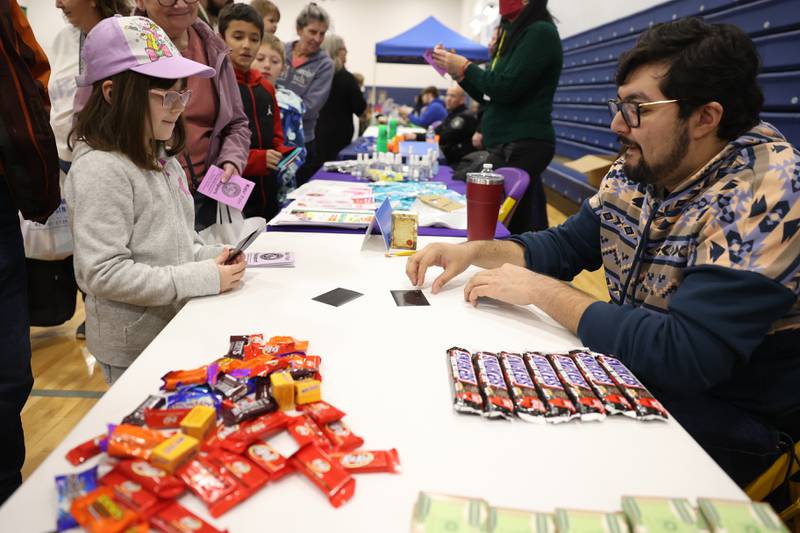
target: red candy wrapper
132 494
259 428
133 441
363 461
270 460
328 475
152 478
216 486
218 435
341 438
321 412
83 452
164 418
174 518
245 471
305 431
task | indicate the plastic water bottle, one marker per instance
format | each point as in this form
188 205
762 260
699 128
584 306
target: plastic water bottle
430 135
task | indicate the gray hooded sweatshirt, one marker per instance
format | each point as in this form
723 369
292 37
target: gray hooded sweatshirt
137 255
312 82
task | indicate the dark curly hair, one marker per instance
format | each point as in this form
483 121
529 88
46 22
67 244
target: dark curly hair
707 63
109 8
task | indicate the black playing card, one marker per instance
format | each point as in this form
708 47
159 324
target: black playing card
337 297
404 298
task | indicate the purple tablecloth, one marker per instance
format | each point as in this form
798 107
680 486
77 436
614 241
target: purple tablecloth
445 175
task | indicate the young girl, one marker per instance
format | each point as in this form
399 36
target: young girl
137 255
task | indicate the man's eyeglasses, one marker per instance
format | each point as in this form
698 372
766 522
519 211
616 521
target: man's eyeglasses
171 99
170 3
631 111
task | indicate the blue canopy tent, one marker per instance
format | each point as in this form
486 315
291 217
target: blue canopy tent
409 46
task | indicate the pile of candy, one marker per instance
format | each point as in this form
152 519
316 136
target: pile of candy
437 513
554 387
208 432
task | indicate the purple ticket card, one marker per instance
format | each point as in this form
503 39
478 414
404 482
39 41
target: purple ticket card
428 55
234 193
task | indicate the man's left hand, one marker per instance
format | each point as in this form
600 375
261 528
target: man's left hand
509 283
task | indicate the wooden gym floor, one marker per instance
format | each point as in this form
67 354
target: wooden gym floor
68 382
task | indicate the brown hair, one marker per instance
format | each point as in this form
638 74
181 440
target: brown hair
109 8
431 90
120 125
266 8
274 43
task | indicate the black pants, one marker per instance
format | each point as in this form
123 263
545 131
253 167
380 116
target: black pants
740 443
311 165
532 156
16 379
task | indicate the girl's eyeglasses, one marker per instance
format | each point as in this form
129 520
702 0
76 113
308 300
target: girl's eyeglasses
171 99
631 112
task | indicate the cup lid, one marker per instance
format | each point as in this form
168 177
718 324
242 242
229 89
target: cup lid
484 178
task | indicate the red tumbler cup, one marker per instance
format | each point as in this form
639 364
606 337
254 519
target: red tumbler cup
484 196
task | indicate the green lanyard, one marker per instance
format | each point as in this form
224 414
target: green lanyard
499 49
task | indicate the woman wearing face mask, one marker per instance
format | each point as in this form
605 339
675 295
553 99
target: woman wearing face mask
217 130
309 73
517 91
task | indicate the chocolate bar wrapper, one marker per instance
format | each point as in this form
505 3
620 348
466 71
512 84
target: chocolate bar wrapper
646 405
588 405
493 386
559 407
466 393
527 404
607 391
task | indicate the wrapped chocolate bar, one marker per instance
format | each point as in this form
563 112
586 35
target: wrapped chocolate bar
238 342
253 430
219 489
155 480
586 402
246 409
328 475
188 397
270 460
85 451
304 430
174 518
231 388
71 487
497 400
130 493
322 412
137 416
646 405
466 393
604 387
364 461
559 407
527 404
242 468
99 511
340 436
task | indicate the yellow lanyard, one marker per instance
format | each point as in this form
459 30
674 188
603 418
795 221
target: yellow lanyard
499 49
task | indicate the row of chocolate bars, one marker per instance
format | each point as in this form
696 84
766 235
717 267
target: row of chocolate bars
548 387
208 431
436 513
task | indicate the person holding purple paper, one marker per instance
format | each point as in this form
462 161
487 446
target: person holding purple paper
137 255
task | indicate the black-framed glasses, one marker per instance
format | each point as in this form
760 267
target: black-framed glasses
171 99
631 111
170 3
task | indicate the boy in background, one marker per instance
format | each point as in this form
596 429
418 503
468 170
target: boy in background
270 14
270 61
242 28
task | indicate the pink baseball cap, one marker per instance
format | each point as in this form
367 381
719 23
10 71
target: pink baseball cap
117 44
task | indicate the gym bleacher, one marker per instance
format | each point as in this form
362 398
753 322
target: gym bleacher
580 115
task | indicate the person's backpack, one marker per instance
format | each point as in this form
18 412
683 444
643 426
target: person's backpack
28 156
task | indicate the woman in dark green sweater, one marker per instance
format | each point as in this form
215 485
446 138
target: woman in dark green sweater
517 90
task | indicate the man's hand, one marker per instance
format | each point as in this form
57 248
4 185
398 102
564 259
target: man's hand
477 140
273 158
509 283
453 258
452 63
230 169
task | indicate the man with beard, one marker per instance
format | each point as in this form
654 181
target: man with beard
696 225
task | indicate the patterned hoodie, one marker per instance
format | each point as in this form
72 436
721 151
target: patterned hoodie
704 281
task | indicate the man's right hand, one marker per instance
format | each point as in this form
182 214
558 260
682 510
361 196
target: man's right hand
453 258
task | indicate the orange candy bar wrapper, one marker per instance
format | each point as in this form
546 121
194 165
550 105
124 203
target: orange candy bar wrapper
98 512
174 518
328 475
164 418
270 460
152 478
341 438
277 346
128 440
85 451
178 378
363 461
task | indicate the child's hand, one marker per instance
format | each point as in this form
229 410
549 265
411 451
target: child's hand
273 158
230 276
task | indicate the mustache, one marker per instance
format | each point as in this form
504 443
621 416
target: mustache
624 142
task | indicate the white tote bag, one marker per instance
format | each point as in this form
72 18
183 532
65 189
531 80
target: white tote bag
50 241
231 226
